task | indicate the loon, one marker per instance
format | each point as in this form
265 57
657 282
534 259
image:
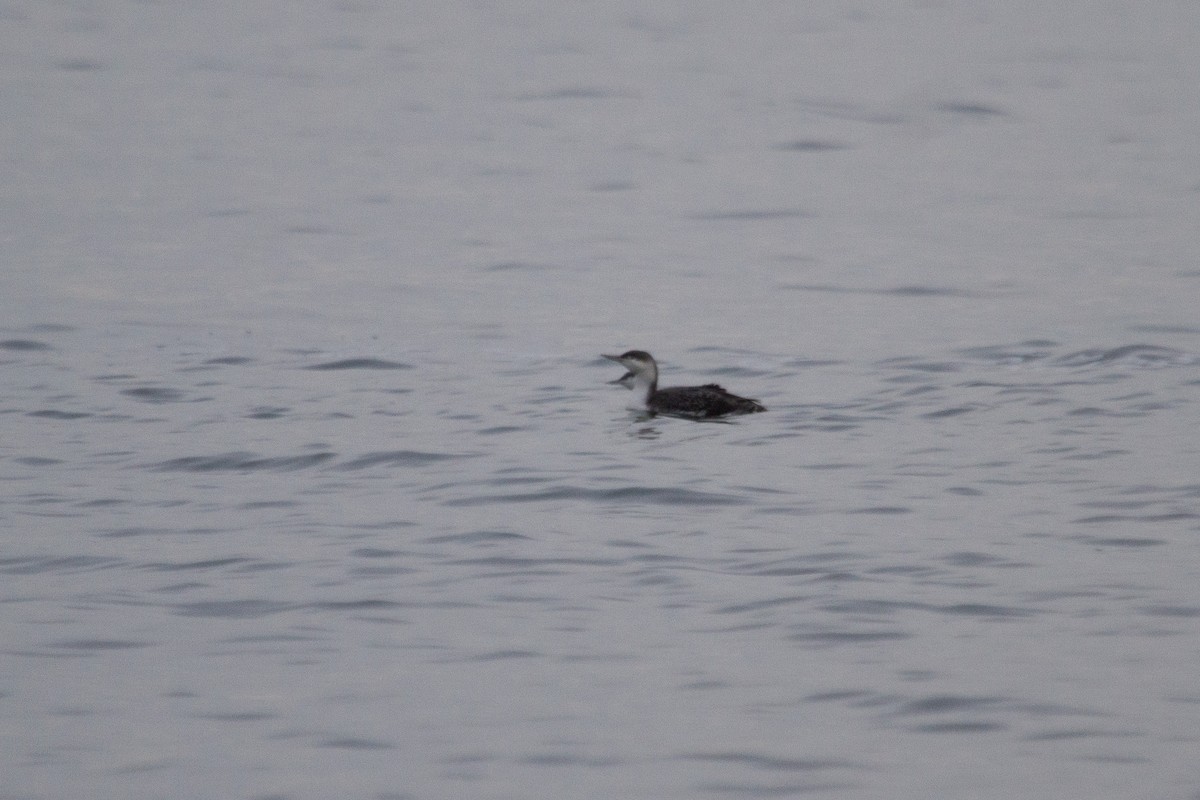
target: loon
698 402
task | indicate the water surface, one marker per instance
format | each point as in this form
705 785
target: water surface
311 482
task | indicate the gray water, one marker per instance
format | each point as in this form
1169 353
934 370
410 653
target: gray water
312 485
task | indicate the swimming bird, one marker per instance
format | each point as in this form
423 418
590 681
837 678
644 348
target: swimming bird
697 402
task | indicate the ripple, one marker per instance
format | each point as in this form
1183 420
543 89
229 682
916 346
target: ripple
971 109
759 605
1072 733
943 703
771 790
1173 516
37 461
203 564
39 565
849 637
1144 355
892 291
794 566
401 458
154 394
1004 355
232 609
79 65
371 604
873 607
51 413
810 146
985 610
1172 611
499 429
355 743
126 533
267 412
239 716
476 537
534 565
519 266
97 645
974 559
921 365
504 655
359 363
241 462
669 496
231 361
1122 541
568 760
23 345
573 93
376 552
52 327
961 727
751 215
773 763
956 411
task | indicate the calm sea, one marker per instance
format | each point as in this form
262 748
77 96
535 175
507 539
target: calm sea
312 484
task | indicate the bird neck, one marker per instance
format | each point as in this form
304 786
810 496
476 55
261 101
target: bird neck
645 384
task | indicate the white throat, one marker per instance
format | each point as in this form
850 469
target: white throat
643 382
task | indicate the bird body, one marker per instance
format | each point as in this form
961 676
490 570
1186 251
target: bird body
697 402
